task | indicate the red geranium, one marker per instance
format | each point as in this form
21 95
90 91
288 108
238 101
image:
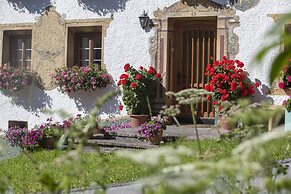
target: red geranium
228 80
123 82
137 85
158 75
133 85
126 67
123 76
138 76
120 107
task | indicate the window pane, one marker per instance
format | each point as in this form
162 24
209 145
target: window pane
84 63
84 42
28 55
28 43
98 41
18 44
97 54
18 55
84 54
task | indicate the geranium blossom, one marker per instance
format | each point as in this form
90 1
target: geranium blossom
228 80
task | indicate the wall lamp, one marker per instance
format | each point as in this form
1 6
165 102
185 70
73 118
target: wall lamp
145 21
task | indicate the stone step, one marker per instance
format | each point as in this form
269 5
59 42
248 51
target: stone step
120 142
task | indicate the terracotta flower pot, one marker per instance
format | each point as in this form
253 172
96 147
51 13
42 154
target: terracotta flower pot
287 90
90 134
137 120
225 125
156 138
49 143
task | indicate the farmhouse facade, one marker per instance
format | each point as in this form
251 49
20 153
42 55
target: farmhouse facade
184 35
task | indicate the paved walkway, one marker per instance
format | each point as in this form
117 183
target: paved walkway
129 139
136 187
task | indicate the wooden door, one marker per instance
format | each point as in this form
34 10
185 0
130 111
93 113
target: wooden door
195 44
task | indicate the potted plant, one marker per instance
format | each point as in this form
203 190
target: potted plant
87 78
153 130
287 105
228 82
285 84
138 87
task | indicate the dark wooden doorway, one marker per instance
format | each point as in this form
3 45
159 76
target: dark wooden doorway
194 45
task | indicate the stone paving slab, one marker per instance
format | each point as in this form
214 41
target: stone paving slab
123 142
187 131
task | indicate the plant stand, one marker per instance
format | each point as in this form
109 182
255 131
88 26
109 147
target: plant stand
287 120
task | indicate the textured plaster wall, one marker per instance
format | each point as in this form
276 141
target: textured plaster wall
254 24
125 41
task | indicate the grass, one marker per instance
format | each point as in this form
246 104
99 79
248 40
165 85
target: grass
24 177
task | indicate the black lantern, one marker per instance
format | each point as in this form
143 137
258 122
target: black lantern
144 20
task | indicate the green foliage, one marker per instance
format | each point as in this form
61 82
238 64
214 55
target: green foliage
189 97
288 105
252 119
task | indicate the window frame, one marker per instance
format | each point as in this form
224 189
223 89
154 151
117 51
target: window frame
73 42
10 37
13 55
77 47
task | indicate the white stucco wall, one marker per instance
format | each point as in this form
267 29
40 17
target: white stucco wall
254 24
125 42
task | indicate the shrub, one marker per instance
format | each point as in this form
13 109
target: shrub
87 78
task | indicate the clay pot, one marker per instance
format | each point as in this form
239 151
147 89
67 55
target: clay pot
90 134
156 138
225 125
49 143
137 120
287 90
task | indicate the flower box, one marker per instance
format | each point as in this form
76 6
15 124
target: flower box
14 79
87 78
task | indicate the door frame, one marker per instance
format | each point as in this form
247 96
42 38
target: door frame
227 40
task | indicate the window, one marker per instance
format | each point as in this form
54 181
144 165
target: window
17 48
21 124
87 44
